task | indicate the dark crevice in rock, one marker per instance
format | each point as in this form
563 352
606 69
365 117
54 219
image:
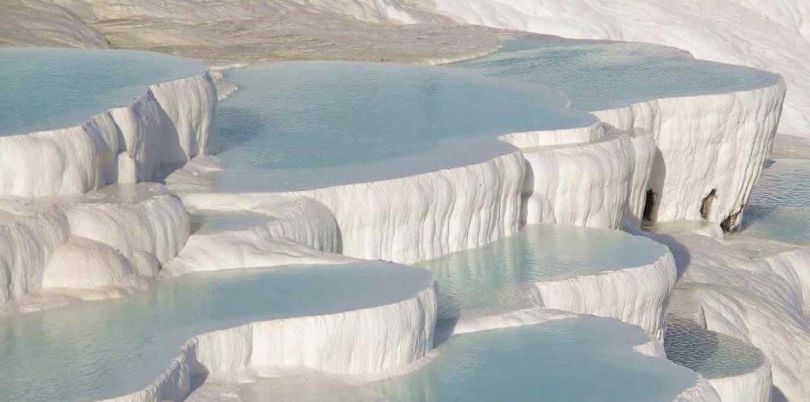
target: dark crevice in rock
649 207
732 222
706 205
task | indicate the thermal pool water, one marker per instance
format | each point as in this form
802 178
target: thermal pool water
779 207
44 89
302 125
584 359
599 75
100 350
499 277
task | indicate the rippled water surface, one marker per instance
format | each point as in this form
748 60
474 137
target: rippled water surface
779 207
99 350
43 88
585 359
598 75
497 277
309 124
711 354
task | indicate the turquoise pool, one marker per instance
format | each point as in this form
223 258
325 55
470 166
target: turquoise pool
779 207
711 354
302 125
584 359
497 278
43 88
599 75
98 350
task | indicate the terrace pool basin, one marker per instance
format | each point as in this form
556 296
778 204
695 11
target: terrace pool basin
45 89
97 350
498 277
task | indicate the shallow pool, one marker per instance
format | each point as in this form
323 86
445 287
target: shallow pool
43 88
211 222
311 124
104 349
779 207
497 278
599 75
583 359
711 354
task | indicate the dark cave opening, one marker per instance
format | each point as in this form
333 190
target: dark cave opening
706 205
649 207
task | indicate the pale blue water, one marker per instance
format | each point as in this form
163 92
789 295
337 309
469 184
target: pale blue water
309 124
207 222
104 349
779 207
585 359
598 75
49 88
313 124
497 278
709 353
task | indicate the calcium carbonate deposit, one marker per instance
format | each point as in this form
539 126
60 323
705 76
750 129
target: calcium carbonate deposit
674 98
561 220
530 268
559 361
82 352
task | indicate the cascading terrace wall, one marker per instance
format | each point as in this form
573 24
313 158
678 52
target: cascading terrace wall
706 146
79 247
124 243
591 176
368 341
595 176
167 126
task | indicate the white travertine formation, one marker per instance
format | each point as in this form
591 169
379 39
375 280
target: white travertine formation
71 160
282 230
397 222
156 223
698 155
89 265
702 391
749 298
706 146
754 386
792 265
405 219
425 216
644 152
637 295
565 136
528 316
429 215
735 369
101 244
167 126
369 341
582 185
27 242
770 35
